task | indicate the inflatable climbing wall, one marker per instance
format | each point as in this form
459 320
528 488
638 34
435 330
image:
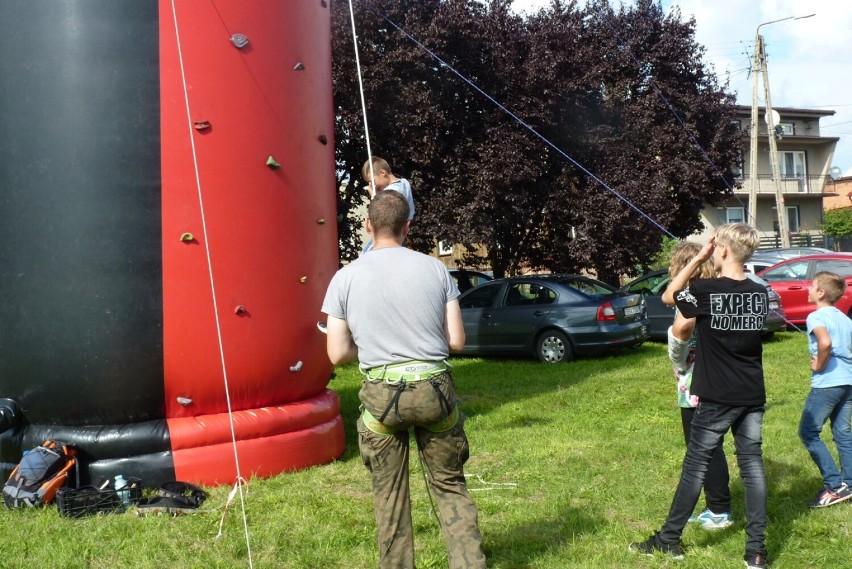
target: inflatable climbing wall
167 231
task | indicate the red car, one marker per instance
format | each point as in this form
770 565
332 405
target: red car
792 278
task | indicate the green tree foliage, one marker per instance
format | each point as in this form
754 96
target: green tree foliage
587 79
837 222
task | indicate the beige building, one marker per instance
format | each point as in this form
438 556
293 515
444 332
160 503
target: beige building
804 157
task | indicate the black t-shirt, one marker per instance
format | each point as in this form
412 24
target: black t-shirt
729 358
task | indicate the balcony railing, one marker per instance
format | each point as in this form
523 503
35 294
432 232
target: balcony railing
800 185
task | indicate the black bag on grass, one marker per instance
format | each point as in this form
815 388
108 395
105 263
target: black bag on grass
41 472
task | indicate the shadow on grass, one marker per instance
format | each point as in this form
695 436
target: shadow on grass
520 545
791 487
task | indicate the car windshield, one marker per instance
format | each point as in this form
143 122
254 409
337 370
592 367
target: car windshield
590 287
653 285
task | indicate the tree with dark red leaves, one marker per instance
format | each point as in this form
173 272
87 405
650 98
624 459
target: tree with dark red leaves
632 133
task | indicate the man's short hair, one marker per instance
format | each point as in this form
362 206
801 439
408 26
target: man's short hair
832 284
388 213
742 240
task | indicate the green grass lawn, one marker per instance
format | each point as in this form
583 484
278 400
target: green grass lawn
569 463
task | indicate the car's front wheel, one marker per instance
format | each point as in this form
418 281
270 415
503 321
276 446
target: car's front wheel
553 347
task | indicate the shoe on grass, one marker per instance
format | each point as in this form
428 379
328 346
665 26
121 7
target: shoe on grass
712 521
654 543
829 497
755 560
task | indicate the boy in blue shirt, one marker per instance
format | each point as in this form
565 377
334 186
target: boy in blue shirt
830 346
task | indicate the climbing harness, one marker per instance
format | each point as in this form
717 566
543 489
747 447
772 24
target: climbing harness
400 376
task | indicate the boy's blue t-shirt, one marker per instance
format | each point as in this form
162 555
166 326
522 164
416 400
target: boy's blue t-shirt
838 370
403 187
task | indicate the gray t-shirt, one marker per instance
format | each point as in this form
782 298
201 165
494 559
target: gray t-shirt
394 300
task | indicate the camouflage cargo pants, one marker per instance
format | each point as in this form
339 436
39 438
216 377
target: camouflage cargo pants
444 454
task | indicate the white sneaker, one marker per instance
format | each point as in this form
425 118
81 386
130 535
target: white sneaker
711 521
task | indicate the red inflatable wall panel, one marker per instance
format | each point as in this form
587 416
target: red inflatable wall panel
263 244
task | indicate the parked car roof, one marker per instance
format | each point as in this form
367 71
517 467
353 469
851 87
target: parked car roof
790 252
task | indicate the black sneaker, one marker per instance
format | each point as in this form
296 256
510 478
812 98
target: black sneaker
755 560
654 543
322 327
828 497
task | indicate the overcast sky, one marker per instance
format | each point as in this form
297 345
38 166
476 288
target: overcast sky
809 60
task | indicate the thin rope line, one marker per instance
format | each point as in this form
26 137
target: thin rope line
677 117
542 137
212 285
363 103
689 133
522 122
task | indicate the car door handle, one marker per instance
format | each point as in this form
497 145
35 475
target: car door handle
795 288
538 313
486 316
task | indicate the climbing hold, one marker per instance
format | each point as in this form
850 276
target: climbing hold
299 67
185 401
297 367
187 237
323 138
321 221
272 163
201 125
239 40
240 309
324 3
303 280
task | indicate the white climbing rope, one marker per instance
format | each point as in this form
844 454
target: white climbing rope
363 103
240 479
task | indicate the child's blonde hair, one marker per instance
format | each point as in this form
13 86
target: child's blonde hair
831 284
379 163
682 254
741 239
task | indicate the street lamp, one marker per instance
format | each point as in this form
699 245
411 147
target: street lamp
760 66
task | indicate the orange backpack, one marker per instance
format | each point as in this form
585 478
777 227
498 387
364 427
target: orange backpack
41 472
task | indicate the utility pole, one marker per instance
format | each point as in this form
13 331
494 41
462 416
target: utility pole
752 173
783 228
760 67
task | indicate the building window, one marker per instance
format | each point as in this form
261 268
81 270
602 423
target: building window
787 128
445 248
792 218
794 166
734 215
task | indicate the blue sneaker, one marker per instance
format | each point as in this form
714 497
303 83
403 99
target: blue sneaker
712 521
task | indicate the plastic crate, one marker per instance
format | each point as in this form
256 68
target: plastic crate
89 500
